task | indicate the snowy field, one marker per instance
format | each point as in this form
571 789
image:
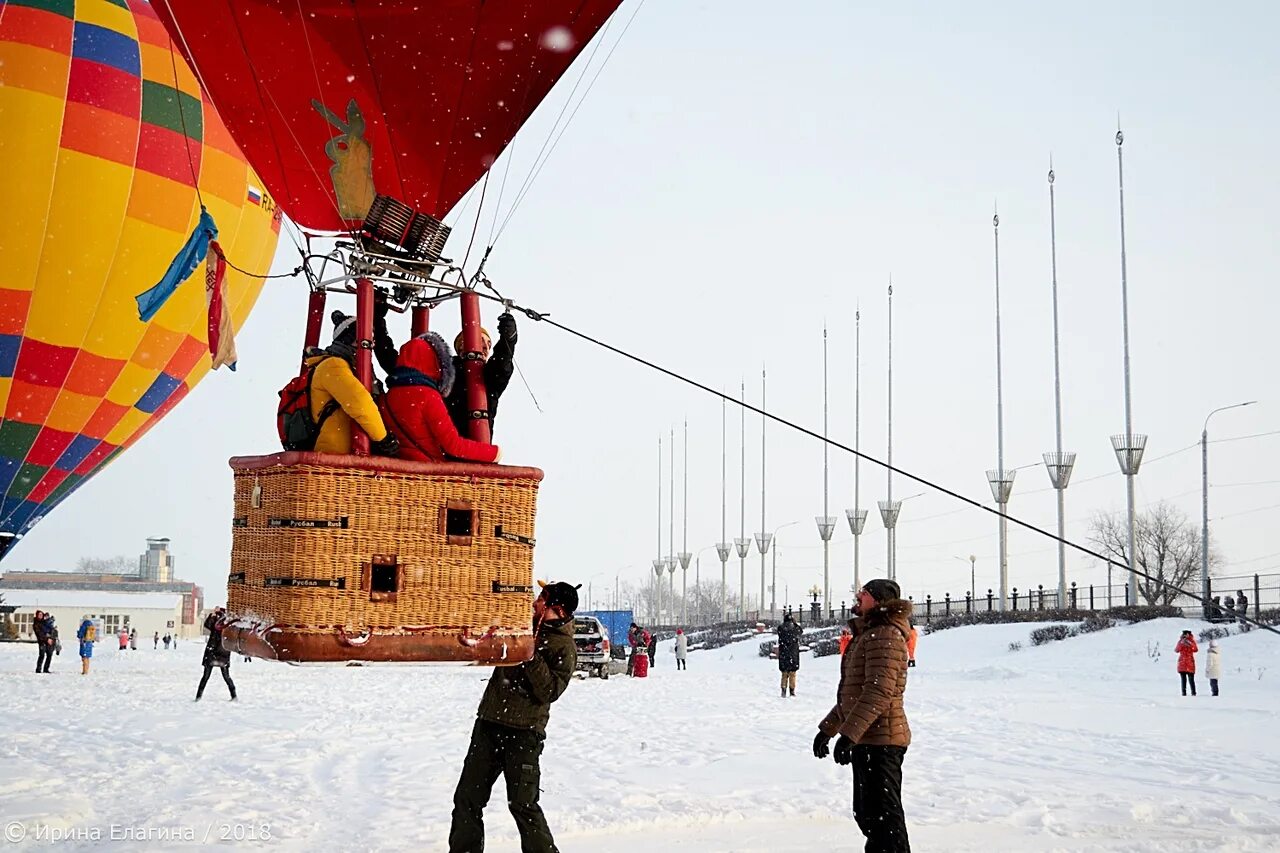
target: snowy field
1082 745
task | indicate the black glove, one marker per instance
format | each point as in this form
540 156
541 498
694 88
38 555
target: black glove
820 742
507 327
911 663
844 751
380 306
388 446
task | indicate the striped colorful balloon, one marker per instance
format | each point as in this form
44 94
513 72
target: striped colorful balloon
104 139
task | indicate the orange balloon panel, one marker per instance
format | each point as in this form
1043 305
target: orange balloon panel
108 149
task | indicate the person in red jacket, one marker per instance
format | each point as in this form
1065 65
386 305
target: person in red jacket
414 406
1186 649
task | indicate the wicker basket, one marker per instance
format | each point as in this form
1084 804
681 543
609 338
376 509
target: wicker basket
347 558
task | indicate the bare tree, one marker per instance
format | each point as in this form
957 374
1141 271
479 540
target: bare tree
119 565
1168 545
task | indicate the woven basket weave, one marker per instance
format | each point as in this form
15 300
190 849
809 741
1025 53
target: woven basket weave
302 558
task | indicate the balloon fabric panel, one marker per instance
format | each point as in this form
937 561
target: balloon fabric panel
442 86
106 135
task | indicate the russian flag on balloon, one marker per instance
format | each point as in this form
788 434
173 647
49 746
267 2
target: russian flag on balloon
222 342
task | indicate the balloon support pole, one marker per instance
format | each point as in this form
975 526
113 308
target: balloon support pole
421 320
315 321
364 354
473 366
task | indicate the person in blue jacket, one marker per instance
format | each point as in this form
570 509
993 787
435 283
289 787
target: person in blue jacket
87 635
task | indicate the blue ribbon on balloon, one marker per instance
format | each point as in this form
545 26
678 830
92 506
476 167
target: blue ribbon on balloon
189 257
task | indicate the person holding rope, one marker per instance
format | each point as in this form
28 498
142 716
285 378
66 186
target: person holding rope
868 715
499 362
511 727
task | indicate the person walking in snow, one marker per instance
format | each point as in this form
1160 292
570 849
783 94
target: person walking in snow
215 654
511 726
166 642
682 649
789 653
1186 649
1213 666
87 634
124 639
133 640
46 639
653 646
868 715
1242 606
155 643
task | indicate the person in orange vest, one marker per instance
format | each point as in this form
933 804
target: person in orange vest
846 636
911 646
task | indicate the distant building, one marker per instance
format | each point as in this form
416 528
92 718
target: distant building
144 612
98 593
157 563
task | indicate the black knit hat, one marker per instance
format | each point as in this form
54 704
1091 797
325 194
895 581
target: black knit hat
883 589
344 328
562 594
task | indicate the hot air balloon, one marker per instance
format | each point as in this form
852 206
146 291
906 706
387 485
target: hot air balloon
107 149
429 91
371 121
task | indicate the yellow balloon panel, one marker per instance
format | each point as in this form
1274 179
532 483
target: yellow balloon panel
108 150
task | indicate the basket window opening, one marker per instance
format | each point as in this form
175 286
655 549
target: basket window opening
459 522
384 578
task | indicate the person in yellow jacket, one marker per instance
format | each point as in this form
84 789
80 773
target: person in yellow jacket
334 386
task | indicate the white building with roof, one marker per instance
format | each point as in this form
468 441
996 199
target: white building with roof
145 612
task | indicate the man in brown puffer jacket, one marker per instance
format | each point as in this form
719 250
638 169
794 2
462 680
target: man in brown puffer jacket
868 715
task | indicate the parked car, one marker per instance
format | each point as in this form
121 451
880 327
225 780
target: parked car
592 639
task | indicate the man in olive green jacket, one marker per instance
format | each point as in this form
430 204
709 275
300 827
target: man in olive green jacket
511 726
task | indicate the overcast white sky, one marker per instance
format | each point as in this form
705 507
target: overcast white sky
745 171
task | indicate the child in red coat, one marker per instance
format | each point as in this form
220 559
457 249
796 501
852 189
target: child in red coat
1186 649
414 407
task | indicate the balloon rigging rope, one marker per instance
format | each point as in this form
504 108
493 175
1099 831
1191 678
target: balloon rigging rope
546 318
536 170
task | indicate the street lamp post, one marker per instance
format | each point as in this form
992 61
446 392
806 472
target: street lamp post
972 560
1059 463
722 547
1000 480
826 522
773 585
857 516
762 538
1128 447
1204 503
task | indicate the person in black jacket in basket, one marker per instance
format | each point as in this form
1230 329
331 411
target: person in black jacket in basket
215 654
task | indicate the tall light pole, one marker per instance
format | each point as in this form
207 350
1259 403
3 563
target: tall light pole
1128 447
857 516
1058 464
659 563
1204 503
889 508
723 546
671 541
826 521
1000 480
684 555
763 538
773 583
972 560
742 542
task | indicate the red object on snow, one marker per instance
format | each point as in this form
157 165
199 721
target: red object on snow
640 669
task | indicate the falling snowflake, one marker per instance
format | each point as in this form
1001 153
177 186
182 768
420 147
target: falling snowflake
558 39
506 44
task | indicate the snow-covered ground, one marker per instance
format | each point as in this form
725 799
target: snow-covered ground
1082 745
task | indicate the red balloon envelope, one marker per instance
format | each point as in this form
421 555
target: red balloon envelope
441 87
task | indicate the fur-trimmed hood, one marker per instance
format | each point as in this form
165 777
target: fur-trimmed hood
427 355
895 611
